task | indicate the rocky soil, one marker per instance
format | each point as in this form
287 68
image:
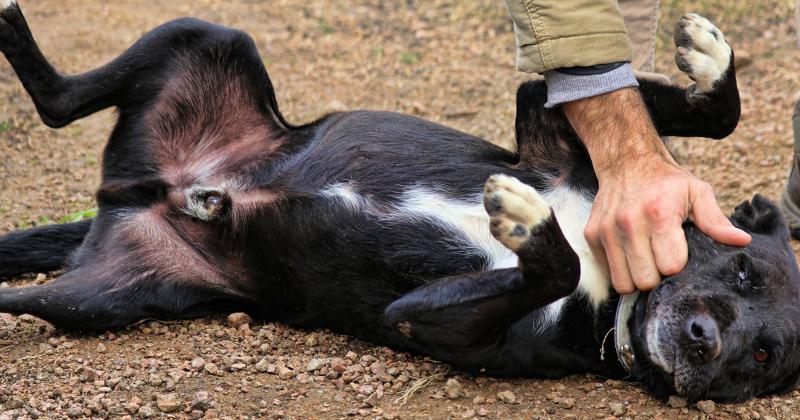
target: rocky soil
448 61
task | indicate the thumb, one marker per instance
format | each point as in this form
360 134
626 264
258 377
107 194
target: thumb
709 218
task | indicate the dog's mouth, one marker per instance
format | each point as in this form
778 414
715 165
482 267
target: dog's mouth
654 352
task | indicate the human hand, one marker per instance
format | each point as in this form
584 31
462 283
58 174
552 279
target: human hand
636 221
643 196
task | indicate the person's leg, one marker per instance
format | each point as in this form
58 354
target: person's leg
790 198
641 21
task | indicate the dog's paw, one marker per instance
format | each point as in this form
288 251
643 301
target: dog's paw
703 54
9 11
758 216
515 209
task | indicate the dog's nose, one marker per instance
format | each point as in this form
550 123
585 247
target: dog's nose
703 335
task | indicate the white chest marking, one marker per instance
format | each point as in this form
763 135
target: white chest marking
469 219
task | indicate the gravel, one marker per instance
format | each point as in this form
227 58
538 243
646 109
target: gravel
321 58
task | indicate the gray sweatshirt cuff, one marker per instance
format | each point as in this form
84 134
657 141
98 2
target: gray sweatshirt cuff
563 87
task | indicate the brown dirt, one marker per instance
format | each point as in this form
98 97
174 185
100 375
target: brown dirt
448 61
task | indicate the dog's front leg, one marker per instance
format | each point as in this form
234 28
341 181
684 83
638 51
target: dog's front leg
472 311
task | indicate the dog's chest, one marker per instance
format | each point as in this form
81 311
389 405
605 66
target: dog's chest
466 220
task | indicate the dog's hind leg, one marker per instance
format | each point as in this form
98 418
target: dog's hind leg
708 108
40 249
129 81
472 311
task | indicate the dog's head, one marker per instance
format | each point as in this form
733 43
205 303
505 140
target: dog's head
727 327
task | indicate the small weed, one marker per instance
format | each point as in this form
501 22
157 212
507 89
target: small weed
325 27
43 220
78 216
5 126
23 224
378 52
410 57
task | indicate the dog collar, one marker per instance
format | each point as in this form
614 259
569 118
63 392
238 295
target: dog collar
622 334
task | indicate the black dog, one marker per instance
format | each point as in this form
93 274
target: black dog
372 224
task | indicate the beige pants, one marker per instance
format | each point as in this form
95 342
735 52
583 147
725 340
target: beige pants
641 22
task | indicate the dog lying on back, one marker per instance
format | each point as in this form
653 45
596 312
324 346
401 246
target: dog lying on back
391 228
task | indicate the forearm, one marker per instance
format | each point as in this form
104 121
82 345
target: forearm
616 129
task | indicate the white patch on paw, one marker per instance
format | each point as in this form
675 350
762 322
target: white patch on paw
703 50
515 209
5 4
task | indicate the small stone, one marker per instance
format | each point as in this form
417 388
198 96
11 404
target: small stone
617 409
198 363
312 340
238 318
284 372
507 397
101 348
468 414
146 411
238 366
479 399
200 401
676 401
706 406
373 398
75 411
338 365
168 403
212 369
262 365
133 404
567 403
315 364
453 388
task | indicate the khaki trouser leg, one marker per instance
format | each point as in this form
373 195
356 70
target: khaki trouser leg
641 22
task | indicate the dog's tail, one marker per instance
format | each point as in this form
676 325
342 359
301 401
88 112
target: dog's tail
40 249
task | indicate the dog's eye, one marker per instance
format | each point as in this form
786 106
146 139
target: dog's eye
760 355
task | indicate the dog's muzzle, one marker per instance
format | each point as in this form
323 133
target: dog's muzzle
622 333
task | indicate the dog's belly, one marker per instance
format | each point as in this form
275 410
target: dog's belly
466 219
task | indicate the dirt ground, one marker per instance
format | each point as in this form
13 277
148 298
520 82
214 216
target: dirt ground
446 60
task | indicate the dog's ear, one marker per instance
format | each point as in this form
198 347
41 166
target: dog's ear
760 216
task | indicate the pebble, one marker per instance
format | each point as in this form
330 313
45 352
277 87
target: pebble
168 403
507 397
453 388
315 364
262 365
200 401
236 319
706 406
567 403
75 411
617 409
676 401
146 411
198 363
212 369
284 372
101 348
